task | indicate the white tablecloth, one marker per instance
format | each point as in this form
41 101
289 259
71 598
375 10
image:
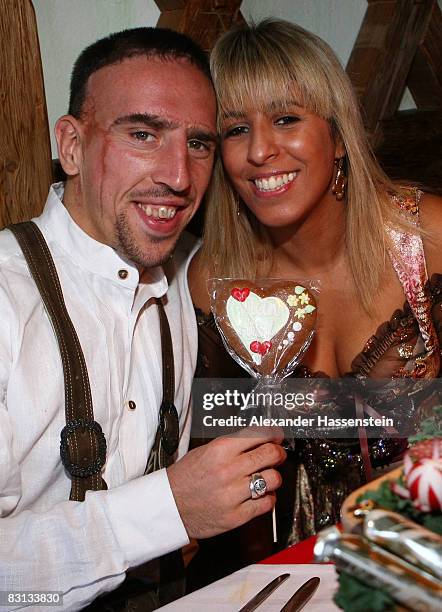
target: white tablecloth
231 593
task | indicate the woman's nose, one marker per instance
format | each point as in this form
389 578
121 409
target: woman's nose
262 145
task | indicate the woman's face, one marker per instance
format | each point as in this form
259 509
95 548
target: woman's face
281 162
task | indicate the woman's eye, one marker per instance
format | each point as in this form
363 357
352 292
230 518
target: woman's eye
238 130
287 120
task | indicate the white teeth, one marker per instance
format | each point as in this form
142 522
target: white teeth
163 212
274 182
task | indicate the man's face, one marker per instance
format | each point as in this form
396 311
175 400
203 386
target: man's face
147 141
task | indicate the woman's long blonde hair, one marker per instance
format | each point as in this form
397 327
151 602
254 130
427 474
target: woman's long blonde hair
276 61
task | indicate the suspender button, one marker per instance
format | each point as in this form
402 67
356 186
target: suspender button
131 405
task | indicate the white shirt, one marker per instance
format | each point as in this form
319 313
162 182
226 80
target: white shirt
47 542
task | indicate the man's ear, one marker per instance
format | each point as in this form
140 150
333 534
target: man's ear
68 135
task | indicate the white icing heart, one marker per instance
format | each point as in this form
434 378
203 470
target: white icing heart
257 319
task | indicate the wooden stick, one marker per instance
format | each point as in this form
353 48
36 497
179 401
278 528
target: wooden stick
275 535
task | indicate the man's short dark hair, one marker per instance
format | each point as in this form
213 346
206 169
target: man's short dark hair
158 42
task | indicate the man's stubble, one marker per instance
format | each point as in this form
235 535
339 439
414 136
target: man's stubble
149 257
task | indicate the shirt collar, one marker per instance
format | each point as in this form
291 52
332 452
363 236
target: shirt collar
58 227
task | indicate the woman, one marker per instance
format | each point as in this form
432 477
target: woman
298 194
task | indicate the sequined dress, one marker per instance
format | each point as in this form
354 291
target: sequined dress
319 474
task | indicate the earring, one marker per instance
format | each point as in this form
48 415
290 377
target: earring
238 209
340 182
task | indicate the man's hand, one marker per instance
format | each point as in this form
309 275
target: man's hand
211 483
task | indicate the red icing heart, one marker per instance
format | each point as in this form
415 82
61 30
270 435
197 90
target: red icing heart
279 355
240 294
265 347
260 347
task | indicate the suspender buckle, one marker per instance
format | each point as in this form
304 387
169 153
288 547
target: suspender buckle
169 427
83 440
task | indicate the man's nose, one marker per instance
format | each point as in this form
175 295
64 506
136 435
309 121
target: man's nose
172 168
263 145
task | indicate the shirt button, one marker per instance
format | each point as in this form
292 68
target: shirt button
131 404
123 274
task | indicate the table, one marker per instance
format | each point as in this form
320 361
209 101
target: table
298 553
230 593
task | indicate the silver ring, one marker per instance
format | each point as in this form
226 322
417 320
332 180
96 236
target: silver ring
257 486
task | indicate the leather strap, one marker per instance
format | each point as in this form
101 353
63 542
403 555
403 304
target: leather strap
83 445
167 436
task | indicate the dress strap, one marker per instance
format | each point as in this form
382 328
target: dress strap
408 259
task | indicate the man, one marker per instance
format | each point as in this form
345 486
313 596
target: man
138 148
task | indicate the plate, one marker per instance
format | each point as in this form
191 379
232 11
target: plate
351 522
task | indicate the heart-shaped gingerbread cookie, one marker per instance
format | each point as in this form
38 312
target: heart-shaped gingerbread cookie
266 325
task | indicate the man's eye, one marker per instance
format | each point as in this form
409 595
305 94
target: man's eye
142 135
199 147
237 130
287 120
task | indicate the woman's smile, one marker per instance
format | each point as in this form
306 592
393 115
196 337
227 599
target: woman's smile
274 184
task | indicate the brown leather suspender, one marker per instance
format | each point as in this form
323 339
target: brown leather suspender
167 436
83 445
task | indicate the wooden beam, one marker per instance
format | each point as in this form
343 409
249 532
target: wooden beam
425 77
203 20
382 56
412 148
25 151
170 5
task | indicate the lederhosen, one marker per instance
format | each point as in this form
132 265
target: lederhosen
83 444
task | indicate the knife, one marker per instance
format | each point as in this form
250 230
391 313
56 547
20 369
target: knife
264 593
302 595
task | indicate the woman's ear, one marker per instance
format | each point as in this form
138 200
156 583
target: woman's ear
68 135
339 148
339 143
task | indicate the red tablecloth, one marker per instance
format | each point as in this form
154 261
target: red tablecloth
299 553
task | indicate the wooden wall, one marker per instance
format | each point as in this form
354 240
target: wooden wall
202 20
399 45
25 155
